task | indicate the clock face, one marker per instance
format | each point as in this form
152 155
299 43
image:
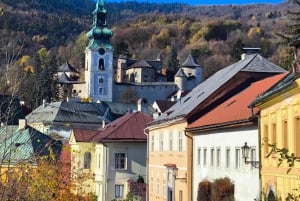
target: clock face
101 51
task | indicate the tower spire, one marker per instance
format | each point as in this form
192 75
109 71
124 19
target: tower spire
100 34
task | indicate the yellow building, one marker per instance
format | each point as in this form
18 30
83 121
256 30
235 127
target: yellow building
280 126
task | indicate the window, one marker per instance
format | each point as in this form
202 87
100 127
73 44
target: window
101 80
297 136
165 189
157 186
212 157
274 129
87 160
199 156
161 142
284 134
180 142
101 90
99 161
218 157
152 142
265 135
170 141
227 158
237 158
204 157
120 160
119 191
180 195
101 64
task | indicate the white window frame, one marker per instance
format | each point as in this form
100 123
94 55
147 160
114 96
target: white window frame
119 191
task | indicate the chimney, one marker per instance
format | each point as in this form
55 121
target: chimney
22 123
249 51
139 105
44 103
103 123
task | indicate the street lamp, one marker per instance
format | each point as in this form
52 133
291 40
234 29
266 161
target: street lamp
245 154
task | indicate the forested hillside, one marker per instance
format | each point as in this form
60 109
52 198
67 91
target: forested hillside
40 33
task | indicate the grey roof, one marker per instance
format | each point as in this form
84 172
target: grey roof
140 64
190 62
66 67
157 64
123 108
180 73
252 63
71 112
63 78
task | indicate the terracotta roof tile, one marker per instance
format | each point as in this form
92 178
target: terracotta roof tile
129 127
236 108
82 135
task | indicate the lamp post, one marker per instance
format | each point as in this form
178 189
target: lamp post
245 154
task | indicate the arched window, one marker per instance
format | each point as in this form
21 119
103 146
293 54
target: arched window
101 80
101 64
87 160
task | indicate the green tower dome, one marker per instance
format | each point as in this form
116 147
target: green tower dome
100 34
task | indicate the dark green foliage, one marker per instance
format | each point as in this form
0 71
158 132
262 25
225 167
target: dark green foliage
140 179
121 49
173 62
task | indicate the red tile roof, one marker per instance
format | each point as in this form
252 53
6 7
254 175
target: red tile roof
82 135
236 109
129 127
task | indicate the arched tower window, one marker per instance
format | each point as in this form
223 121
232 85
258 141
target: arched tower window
87 160
101 64
101 80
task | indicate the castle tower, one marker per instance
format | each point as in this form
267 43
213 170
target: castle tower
99 58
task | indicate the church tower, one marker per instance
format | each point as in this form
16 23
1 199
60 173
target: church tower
99 58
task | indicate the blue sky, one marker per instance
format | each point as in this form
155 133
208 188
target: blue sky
207 2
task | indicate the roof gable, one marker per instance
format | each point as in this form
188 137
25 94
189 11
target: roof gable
129 127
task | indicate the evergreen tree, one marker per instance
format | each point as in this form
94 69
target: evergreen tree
173 63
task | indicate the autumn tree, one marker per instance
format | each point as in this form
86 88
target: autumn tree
292 30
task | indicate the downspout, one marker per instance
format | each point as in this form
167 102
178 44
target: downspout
147 164
257 117
191 184
106 170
